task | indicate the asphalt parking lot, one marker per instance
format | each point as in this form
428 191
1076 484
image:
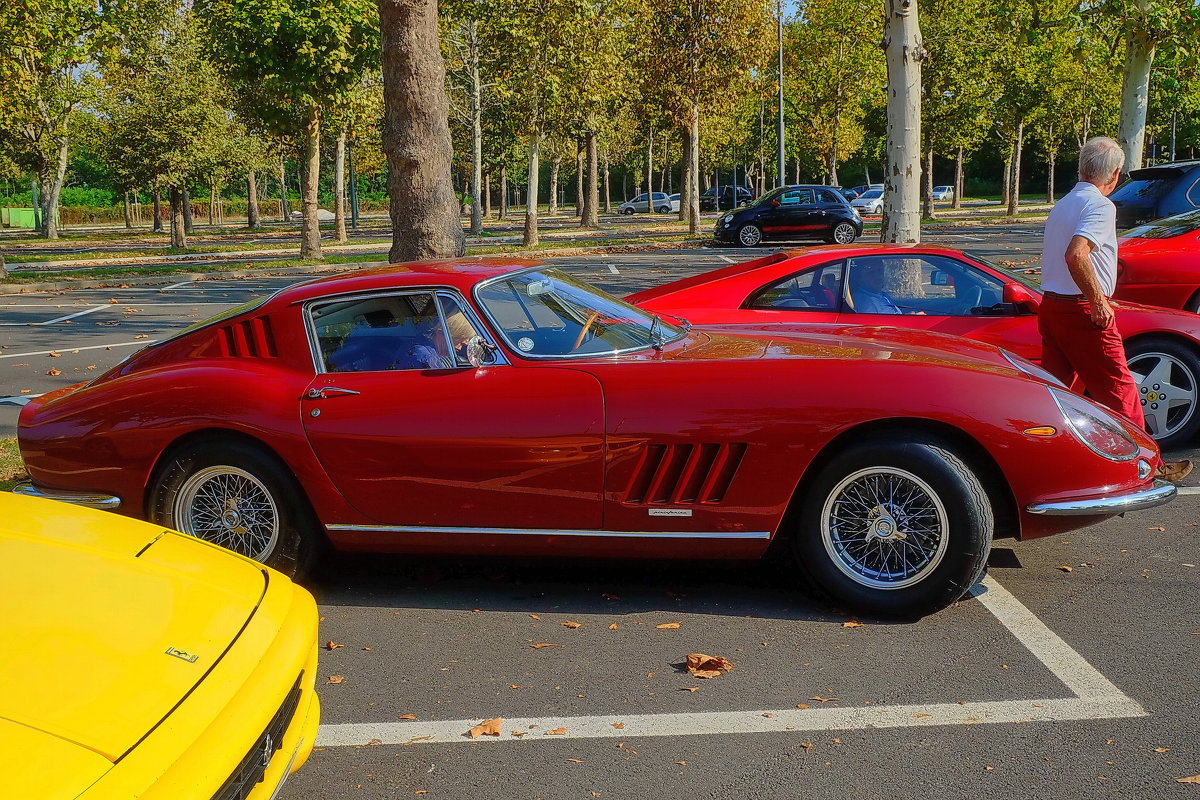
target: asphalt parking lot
1071 673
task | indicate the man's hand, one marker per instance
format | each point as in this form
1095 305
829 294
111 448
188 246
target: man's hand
1102 313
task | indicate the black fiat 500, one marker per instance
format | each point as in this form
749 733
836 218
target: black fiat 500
792 212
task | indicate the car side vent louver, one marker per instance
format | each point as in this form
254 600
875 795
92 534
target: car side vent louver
248 338
684 473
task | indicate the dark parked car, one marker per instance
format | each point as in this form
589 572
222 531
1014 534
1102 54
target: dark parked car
727 199
1156 192
849 194
792 212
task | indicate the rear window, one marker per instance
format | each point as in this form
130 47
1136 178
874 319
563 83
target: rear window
1167 227
1145 189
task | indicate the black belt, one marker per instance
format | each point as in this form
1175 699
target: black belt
1061 295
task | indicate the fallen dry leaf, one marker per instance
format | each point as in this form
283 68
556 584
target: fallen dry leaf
1190 779
612 627
367 649
518 734
806 745
515 686
112 301
569 624
705 666
54 354
333 645
681 763
489 727
142 336
667 626
557 732
1162 749
768 714
575 760
689 688
619 725
407 716
373 742
540 645
1065 568
801 705
535 616
415 739
421 791
852 624
91 366
820 699
334 679
26 391
1156 528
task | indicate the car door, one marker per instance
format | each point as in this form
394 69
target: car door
939 293
452 445
788 213
830 210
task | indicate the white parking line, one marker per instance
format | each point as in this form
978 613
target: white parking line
92 310
1095 698
612 268
726 259
1188 489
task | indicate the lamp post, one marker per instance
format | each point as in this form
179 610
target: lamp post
780 130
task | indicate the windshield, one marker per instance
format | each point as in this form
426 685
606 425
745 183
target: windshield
1167 227
548 313
871 194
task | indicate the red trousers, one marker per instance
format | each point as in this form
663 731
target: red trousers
1073 346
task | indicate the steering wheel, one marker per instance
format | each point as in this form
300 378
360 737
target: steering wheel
587 326
976 298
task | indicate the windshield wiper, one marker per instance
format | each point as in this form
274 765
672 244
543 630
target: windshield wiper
656 340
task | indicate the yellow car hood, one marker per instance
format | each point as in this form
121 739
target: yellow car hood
46 767
107 623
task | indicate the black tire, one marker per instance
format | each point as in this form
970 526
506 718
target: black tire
847 545
749 235
1168 376
264 514
627 211
842 233
664 209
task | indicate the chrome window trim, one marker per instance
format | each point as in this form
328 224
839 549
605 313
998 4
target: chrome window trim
314 345
551 357
553 532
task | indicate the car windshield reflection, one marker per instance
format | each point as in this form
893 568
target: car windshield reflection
548 313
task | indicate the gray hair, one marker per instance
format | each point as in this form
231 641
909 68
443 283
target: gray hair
1099 158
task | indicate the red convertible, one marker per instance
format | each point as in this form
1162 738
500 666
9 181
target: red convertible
939 289
505 407
1159 263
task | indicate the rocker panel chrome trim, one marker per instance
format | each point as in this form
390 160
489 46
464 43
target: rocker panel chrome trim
553 532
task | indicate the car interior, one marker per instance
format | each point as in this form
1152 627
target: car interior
393 332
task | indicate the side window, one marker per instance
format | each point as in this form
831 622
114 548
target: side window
394 332
826 196
919 284
818 289
1193 194
790 198
459 330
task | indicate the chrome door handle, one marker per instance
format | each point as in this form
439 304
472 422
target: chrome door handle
326 391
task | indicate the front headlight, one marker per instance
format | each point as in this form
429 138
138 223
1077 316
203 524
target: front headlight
726 220
1030 368
1095 427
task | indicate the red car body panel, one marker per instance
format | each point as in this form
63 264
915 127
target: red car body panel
715 433
1160 272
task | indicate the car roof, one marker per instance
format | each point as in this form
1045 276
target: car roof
460 273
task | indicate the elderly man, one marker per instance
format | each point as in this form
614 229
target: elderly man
1079 274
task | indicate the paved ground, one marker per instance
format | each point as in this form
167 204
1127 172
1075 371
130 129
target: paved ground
1051 683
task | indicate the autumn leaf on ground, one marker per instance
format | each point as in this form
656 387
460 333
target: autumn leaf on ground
806 745
1156 528
421 791
91 366
142 336
415 739
613 627
489 727
333 645
557 732
26 391
518 734
705 666
540 645
689 688
667 626
407 716
335 679
619 725
681 763
820 699
112 301
54 354
1191 779
801 705
53 372
852 624
1065 568
1162 749
575 760
534 616
569 624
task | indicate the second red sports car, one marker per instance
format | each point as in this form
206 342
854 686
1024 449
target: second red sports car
939 289
1159 263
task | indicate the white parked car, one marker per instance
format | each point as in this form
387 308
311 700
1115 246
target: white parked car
869 202
662 204
943 193
675 202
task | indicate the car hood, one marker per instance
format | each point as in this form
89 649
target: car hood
836 341
107 624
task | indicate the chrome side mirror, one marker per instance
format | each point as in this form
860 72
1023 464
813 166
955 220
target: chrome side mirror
480 351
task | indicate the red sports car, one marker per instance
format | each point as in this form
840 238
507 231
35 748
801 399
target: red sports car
939 289
505 407
1159 263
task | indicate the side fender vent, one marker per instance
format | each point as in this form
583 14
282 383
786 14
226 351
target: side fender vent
249 338
680 474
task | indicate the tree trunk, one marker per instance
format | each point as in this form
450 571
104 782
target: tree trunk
188 226
487 197
252 200
689 196
285 211
927 190
128 212
212 204
531 192
591 190
502 209
1014 184
52 176
833 148
158 217
958 179
607 185
339 187
650 172
476 126
904 52
178 223
1006 178
579 178
310 230
555 163
1135 94
3 270
1051 158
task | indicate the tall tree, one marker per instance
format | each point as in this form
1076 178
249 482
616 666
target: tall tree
298 56
904 52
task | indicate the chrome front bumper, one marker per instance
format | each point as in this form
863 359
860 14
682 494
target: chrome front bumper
1160 492
105 502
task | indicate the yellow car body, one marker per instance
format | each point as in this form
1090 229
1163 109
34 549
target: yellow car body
137 662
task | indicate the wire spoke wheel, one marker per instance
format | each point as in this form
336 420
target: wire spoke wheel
884 528
230 507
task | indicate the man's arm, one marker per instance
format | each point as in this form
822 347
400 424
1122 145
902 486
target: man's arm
1078 257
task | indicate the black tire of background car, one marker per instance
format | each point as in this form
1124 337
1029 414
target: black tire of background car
842 233
970 529
1189 360
664 209
299 542
751 232
627 211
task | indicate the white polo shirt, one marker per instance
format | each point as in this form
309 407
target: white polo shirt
1085 212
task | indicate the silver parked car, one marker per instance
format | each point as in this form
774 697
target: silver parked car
869 202
662 204
943 193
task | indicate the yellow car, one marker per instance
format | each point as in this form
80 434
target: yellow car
136 662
